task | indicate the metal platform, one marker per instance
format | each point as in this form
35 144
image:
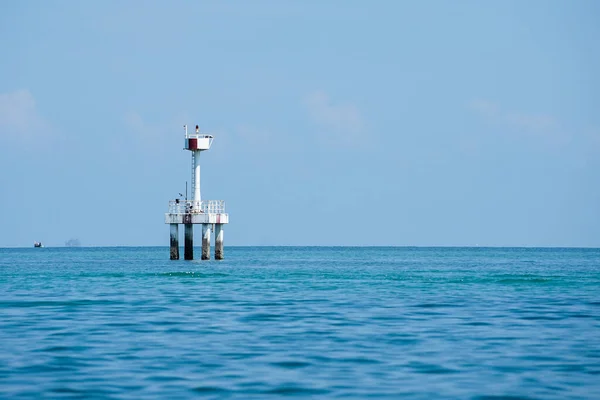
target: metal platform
196 212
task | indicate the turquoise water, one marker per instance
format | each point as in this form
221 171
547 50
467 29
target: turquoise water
303 322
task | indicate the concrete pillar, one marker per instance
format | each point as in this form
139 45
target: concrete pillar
218 241
188 250
206 241
174 241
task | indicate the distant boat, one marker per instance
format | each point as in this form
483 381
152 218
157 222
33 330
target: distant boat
38 244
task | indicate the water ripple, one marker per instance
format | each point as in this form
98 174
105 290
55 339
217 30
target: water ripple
358 323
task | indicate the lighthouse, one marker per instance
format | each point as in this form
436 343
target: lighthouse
209 213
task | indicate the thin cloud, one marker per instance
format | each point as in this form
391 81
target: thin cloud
593 137
19 116
342 122
145 135
539 128
485 108
152 135
134 122
252 136
137 126
532 124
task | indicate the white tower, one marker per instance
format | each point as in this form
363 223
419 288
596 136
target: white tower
196 143
196 211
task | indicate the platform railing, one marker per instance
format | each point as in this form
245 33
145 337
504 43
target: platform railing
196 207
198 136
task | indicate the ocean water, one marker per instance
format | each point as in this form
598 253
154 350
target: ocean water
300 322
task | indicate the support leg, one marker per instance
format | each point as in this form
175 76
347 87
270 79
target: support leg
188 251
174 241
206 241
218 241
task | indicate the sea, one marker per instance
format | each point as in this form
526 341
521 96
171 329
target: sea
300 322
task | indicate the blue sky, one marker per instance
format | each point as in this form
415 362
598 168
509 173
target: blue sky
335 122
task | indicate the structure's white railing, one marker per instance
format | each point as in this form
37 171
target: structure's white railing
198 136
196 207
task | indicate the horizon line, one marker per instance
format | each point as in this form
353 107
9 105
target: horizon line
325 246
